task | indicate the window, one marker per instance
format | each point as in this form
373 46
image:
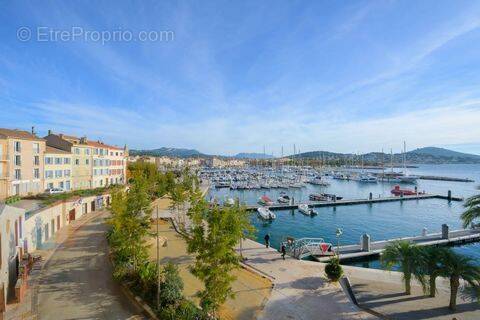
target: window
87 161
66 173
61 185
77 151
36 160
18 160
36 173
36 148
49 185
17 145
77 162
58 173
116 153
58 160
67 185
48 174
48 160
66 160
87 152
18 174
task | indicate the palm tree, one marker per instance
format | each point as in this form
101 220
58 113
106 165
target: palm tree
456 267
431 263
406 256
473 210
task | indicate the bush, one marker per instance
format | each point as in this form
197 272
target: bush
333 269
186 310
171 286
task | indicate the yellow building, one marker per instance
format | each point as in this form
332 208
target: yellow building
58 169
21 165
81 157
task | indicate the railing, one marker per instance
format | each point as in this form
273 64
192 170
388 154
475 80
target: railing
304 247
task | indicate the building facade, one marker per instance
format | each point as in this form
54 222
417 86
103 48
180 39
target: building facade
21 163
58 169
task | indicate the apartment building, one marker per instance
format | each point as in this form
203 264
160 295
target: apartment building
21 165
58 169
117 164
94 164
11 234
81 153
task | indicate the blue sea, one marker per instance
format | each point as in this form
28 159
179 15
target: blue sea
381 221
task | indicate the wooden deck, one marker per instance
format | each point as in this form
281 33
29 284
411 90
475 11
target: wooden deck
352 252
348 202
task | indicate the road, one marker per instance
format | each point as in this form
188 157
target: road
77 283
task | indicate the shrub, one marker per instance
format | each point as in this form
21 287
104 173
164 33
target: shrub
171 286
333 269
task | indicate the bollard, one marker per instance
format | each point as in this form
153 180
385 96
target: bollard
365 242
416 190
370 196
424 232
334 198
449 195
445 234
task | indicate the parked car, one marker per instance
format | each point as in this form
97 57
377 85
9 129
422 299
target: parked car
55 190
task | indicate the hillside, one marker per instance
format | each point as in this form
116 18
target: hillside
427 155
245 155
168 152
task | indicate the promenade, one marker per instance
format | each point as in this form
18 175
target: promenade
74 279
300 289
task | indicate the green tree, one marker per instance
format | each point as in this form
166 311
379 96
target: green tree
431 263
213 238
406 256
456 267
473 210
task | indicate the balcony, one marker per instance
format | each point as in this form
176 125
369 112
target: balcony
3 157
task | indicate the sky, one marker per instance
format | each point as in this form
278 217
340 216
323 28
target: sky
225 77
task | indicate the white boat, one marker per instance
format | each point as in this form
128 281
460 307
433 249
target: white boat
266 214
306 210
367 178
408 178
230 202
283 199
318 182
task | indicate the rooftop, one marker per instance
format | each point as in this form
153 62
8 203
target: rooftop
55 150
18 134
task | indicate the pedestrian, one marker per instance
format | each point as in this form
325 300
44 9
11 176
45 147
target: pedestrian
267 240
283 249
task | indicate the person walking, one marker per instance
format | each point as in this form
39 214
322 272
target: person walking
267 240
283 249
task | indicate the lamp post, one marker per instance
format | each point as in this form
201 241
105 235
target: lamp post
338 234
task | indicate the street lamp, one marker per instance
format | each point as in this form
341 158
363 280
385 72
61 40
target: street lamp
338 234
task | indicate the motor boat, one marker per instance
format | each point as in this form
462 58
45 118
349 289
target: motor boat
266 214
265 201
230 202
397 191
306 210
318 182
283 199
366 178
317 197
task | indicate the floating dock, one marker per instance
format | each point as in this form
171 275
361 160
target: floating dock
371 200
357 251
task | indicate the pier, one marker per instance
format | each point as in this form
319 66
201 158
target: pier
371 249
370 200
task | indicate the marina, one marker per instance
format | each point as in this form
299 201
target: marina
383 217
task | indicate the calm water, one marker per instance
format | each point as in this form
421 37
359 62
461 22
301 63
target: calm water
381 221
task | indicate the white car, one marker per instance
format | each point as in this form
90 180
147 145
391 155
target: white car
55 190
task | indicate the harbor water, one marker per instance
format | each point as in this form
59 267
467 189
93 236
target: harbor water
380 220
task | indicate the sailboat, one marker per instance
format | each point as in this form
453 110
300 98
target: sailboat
406 177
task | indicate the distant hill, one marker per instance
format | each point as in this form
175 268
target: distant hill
427 155
168 152
245 155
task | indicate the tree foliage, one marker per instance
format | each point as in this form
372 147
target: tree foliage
472 211
406 256
213 238
333 269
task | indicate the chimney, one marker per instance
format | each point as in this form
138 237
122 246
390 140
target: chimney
61 135
49 132
83 140
33 130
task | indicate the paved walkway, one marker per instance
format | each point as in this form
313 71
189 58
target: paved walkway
300 290
76 282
